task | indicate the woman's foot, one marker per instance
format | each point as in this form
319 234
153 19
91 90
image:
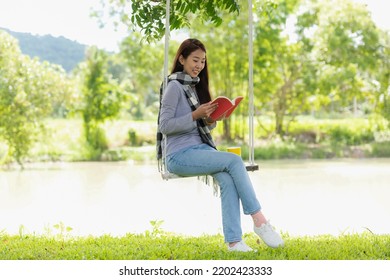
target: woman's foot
270 237
266 231
239 246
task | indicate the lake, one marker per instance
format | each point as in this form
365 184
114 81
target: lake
307 197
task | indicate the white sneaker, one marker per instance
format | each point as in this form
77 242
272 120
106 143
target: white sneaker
240 247
269 235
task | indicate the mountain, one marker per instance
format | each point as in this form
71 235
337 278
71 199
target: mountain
57 50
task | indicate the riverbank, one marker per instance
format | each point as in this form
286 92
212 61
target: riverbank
62 140
308 138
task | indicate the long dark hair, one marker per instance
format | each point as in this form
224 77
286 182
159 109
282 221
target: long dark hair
186 48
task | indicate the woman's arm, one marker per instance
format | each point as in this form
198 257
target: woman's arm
175 114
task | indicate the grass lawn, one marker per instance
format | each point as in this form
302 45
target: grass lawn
164 246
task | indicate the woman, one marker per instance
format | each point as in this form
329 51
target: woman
190 150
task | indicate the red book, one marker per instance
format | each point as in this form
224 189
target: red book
225 107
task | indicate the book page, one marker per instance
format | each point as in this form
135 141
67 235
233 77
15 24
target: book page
225 107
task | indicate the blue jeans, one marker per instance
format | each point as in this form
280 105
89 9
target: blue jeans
229 171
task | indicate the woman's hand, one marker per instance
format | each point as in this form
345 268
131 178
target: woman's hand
204 111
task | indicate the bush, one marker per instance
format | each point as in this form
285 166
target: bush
279 150
96 141
354 131
133 139
381 149
351 136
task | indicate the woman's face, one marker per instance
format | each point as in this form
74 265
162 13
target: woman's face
194 63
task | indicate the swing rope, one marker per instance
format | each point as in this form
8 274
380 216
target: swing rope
165 173
251 165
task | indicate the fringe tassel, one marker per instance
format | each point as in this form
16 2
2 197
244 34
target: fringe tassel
210 181
160 165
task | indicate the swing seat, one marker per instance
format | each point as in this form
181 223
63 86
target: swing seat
251 166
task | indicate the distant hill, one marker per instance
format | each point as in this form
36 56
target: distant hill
57 50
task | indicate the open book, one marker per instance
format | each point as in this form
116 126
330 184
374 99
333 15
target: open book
225 107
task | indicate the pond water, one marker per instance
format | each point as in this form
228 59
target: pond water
300 197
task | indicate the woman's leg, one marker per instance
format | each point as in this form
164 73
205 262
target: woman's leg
202 160
230 208
230 172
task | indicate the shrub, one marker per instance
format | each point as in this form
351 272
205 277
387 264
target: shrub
381 149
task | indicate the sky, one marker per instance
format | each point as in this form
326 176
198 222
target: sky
68 18
49 17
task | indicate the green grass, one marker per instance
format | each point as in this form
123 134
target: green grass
165 246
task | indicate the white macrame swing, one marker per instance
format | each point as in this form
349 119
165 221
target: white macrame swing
250 165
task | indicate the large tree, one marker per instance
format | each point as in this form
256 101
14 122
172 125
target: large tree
227 53
28 91
102 100
280 63
329 56
348 50
143 62
383 76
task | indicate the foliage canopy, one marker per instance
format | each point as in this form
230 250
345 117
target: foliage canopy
148 16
